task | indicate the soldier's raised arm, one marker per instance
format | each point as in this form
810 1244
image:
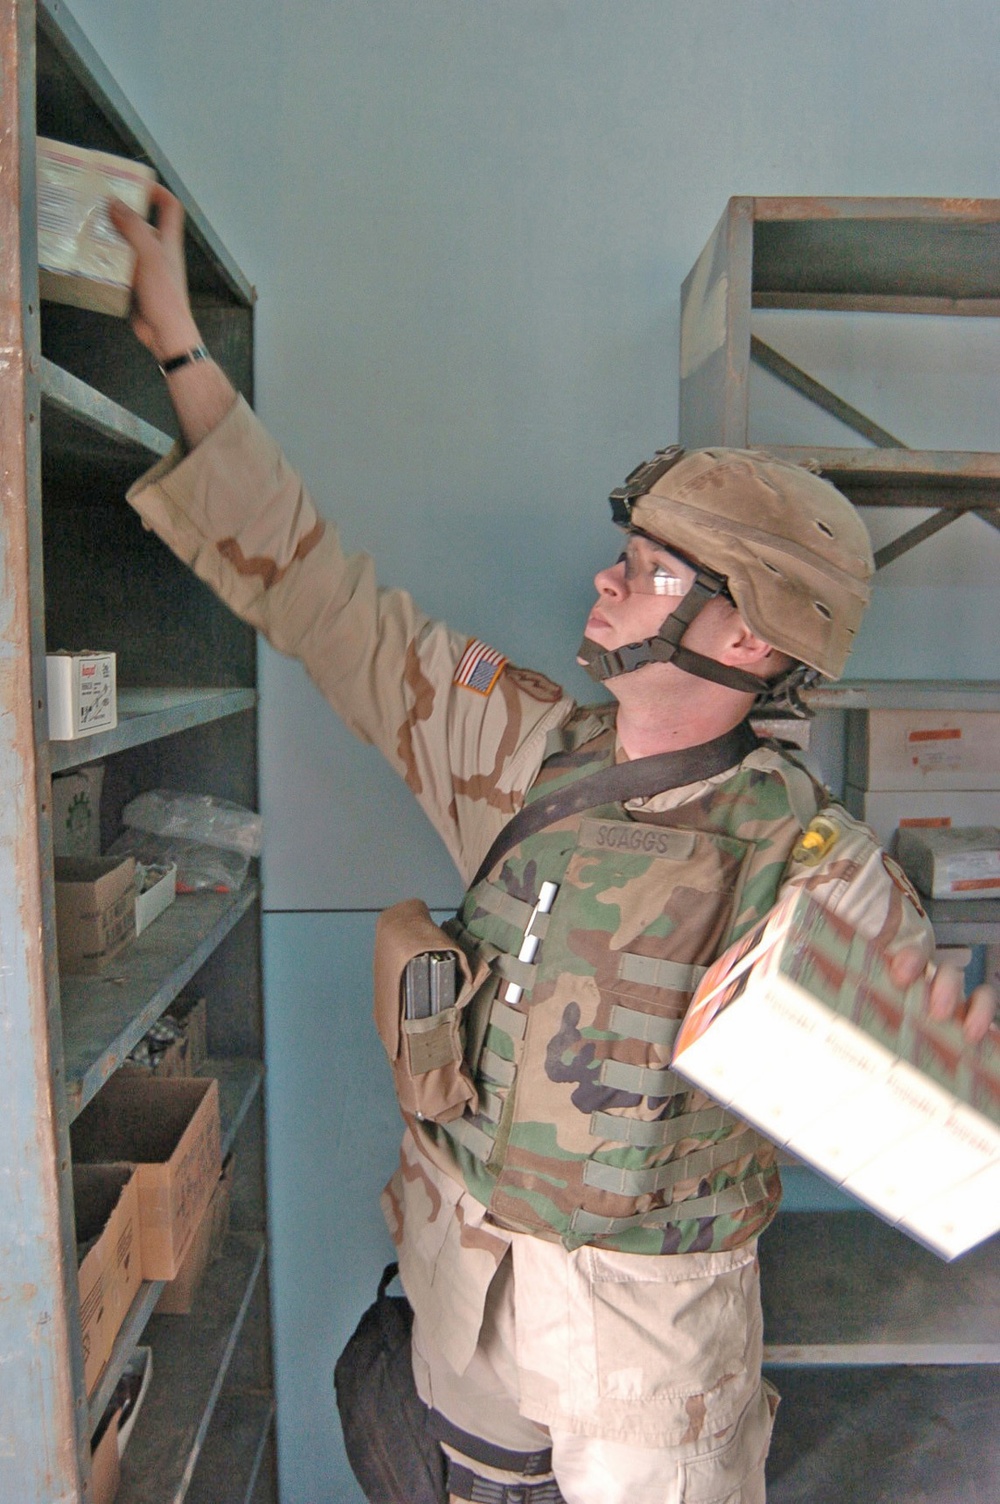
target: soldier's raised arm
200 391
463 728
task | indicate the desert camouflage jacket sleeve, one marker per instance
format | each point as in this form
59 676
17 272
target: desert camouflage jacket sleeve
462 726
867 888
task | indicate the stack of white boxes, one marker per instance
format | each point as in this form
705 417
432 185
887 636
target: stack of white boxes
924 770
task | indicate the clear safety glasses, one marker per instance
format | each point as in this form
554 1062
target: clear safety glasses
647 573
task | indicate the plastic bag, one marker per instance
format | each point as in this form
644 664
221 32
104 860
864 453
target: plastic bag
196 817
200 868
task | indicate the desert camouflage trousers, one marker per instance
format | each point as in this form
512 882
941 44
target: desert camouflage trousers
641 1372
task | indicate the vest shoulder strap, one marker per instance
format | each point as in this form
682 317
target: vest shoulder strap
614 785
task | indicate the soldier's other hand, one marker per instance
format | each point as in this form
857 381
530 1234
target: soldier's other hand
161 311
947 994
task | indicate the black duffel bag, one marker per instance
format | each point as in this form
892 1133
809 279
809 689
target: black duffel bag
386 1424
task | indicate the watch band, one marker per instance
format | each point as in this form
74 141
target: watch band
186 358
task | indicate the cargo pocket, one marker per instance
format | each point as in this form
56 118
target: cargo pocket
686 1336
734 1472
431 1078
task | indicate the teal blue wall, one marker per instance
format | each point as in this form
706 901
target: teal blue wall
469 221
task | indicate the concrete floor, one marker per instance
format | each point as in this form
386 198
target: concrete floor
888 1434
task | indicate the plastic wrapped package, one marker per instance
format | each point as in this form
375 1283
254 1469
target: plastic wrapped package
200 868
198 818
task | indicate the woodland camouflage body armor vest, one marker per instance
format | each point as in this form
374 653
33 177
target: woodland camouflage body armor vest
584 1134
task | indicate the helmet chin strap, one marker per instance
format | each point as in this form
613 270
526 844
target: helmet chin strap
666 646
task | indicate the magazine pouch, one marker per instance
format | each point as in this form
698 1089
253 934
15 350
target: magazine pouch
432 1080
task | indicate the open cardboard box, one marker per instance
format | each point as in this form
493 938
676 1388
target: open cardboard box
169 1130
106 1202
205 1247
95 910
176 1045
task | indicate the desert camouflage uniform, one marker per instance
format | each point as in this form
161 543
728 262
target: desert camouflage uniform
468 732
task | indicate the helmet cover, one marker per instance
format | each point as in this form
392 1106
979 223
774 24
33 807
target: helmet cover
793 550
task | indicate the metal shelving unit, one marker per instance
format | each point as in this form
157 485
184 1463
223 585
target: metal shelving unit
862 1326
104 1017
84 413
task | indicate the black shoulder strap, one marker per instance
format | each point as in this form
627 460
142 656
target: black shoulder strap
625 780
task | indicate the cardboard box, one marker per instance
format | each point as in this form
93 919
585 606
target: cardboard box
923 749
889 810
170 1131
82 259
159 895
95 910
105 1462
175 1045
106 1202
162 1050
82 694
190 1011
800 1030
178 1296
76 811
962 863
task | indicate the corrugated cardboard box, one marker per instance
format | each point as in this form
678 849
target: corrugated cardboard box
889 810
923 749
962 863
95 910
190 1010
170 1131
105 1462
175 1045
82 258
76 811
178 1296
106 1202
800 1030
82 694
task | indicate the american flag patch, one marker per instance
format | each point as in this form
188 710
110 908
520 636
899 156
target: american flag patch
479 667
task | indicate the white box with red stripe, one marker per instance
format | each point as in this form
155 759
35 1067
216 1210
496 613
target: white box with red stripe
923 749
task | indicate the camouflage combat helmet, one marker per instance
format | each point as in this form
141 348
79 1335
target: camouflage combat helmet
784 545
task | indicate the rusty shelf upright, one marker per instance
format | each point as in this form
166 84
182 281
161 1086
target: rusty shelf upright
84 412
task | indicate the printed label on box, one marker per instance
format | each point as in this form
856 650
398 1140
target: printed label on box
96 693
936 750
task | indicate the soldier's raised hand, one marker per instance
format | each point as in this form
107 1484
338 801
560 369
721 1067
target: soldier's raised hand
161 310
947 994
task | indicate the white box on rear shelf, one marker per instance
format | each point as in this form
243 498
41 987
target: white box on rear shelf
889 810
923 749
800 1030
961 863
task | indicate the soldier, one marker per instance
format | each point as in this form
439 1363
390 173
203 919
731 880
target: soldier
576 1227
